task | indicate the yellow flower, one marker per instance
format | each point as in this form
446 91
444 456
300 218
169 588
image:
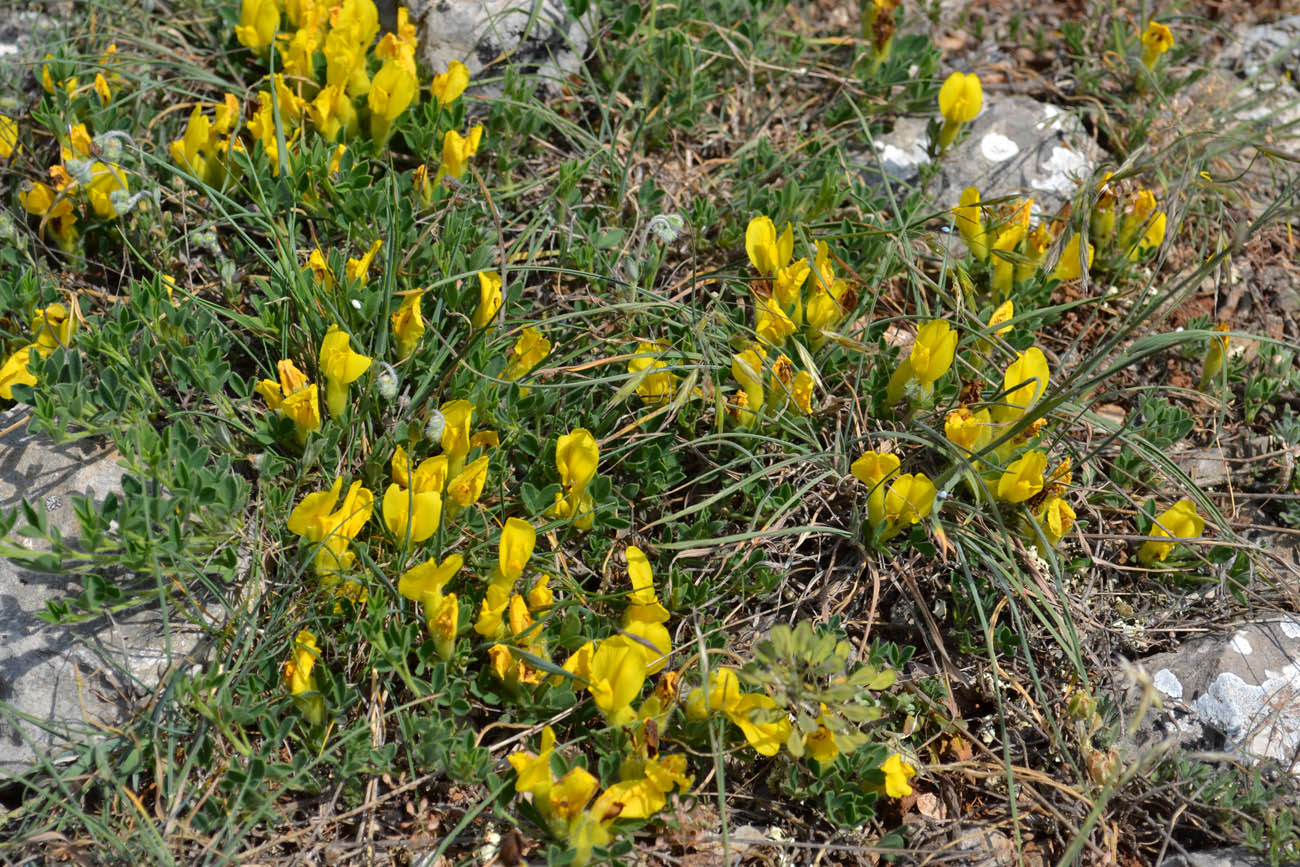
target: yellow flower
258 20
1180 523
298 49
787 286
508 668
970 223
316 519
1037 243
763 722
527 353
424 583
873 469
772 325
490 299
909 499
1101 222
299 680
747 368
516 547
52 327
571 792
1070 266
412 514
932 354
820 744
358 270
1024 478
961 97
1006 239
1139 213
644 617
320 268
618 671
105 179
1024 382
972 431
657 386
189 151
766 250
340 366
540 597
47 80
1156 40
297 671
293 397
520 619
491 610
448 86
456 151
723 692
14 372
579 662
897 772
533 772
960 100
263 124
802 391
332 112
467 486
1005 312
408 324
391 91
643 786
102 90
576 457
826 305
1152 236
1055 517
1214 357
8 136
54 209
414 501
392 48
421 185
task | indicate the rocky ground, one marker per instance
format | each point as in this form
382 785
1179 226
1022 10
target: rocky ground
1221 687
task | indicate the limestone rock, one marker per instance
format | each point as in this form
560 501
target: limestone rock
22 33
1265 48
1016 147
1237 856
1244 686
61 684
537 36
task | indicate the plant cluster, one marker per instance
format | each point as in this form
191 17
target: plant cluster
510 480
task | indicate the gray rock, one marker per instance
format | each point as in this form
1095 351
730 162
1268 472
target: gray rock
1236 856
1207 468
1267 48
1244 686
61 684
1016 147
536 36
22 35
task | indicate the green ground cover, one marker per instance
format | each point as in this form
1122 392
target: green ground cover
594 473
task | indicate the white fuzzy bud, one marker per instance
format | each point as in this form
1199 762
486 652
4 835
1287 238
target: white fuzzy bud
80 171
387 381
434 427
666 227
